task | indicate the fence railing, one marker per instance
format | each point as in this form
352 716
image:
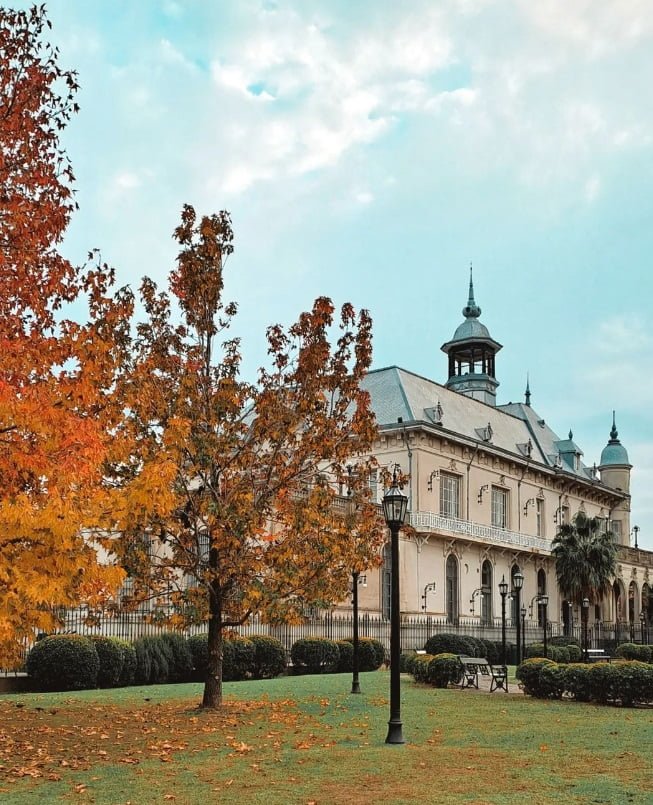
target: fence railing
415 630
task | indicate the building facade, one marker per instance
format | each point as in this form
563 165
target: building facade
489 485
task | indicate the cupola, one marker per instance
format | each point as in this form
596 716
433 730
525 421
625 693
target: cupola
472 352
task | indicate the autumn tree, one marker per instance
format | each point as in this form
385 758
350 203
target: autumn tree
58 417
233 504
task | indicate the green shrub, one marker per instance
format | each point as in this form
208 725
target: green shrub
238 658
633 651
578 681
315 655
198 645
421 667
562 640
346 662
559 654
443 669
128 672
632 683
112 657
181 666
552 681
490 651
535 650
63 662
153 660
528 673
405 661
371 653
604 682
575 653
448 643
269 657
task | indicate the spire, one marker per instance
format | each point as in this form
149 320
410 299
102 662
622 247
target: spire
614 433
571 435
472 310
527 395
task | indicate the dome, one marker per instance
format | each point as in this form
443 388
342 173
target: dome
614 453
470 328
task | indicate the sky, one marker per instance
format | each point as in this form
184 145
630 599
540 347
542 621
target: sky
370 151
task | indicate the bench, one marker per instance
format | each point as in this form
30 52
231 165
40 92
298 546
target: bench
597 655
472 667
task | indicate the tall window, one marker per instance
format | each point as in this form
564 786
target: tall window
499 507
564 515
449 495
615 527
374 486
539 515
451 588
486 593
513 595
541 590
386 575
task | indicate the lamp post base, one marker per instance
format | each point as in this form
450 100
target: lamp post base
395 734
355 686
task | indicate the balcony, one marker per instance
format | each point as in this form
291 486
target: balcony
452 526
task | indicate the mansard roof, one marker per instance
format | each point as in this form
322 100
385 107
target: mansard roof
516 428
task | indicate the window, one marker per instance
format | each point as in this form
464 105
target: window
615 527
449 495
499 507
374 486
451 589
486 593
539 516
386 584
563 515
541 590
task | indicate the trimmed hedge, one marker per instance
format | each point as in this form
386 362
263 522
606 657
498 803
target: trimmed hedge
128 671
269 657
627 682
315 655
406 661
238 658
181 665
634 651
112 658
420 667
448 643
63 662
154 658
371 653
562 654
346 662
444 669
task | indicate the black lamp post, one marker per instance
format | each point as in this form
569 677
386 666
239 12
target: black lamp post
642 623
523 632
503 592
544 601
586 612
518 583
394 510
355 684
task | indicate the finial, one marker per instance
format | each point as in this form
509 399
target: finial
472 310
614 433
571 435
528 391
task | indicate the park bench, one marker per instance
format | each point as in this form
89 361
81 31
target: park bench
597 654
473 667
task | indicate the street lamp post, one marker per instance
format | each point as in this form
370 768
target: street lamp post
586 612
355 684
642 623
544 600
503 592
523 632
395 505
518 583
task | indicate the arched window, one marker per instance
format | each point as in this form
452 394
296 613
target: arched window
513 599
618 601
647 603
486 593
386 584
451 588
541 590
632 596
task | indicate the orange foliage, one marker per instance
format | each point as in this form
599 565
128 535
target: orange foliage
57 414
239 481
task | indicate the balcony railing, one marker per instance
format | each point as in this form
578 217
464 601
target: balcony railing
429 521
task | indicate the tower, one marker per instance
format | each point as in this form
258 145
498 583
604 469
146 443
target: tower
615 472
471 353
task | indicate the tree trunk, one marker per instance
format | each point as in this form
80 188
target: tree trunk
213 684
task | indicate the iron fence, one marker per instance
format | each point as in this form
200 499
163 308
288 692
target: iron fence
415 629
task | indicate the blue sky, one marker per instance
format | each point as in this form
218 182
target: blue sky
369 151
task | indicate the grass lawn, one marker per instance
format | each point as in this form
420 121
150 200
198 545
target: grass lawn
307 740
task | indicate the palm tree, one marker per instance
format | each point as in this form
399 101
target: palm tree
585 557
